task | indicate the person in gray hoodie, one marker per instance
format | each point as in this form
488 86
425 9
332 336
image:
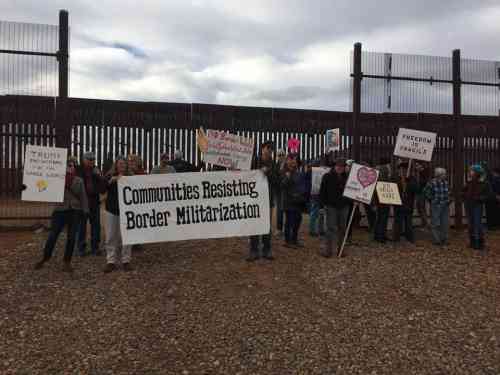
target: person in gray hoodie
66 214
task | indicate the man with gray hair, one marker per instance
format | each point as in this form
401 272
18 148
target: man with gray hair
437 193
180 165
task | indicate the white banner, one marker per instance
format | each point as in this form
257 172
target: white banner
44 174
333 140
229 150
415 144
361 183
317 176
187 206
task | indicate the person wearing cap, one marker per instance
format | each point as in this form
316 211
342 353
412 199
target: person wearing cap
475 193
294 190
66 214
437 192
270 169
164 166
332 199
403 215
382 210
180 165
278 195
95 184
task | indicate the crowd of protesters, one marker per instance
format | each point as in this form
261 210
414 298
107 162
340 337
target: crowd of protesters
290 183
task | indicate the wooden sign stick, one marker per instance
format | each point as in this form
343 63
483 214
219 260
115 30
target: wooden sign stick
354 208
409 169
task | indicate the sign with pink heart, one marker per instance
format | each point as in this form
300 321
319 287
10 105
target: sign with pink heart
361 183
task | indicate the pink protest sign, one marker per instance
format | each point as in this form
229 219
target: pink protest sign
361 183
293 144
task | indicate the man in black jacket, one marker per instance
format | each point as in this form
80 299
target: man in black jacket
180 165
94 186
266 164
336 205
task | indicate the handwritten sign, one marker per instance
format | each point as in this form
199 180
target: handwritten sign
333 140
361 183
388 193
228 150
293 144
317 176
44 174
415 144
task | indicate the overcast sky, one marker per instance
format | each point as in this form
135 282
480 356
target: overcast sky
281 53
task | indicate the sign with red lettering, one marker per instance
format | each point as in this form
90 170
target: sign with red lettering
228 150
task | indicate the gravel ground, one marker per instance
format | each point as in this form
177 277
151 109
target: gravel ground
199 308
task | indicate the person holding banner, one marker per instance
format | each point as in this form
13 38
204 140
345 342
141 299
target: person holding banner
475 193
336 205
164 166
294 190
95 185
403 215
437 192
135 165
66 214
382 210
270 169
112 217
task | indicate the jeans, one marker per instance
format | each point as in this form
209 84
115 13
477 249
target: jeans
336 221
371 216
422 209
266 245
59 220
440 214
292 225
315 218
474 219
403 224
280 213
94 217
381 222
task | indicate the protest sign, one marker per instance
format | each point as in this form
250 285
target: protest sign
333 140
361 183
317 176
44 174
293 144
228 150
415 144
388 193
174 207
202 140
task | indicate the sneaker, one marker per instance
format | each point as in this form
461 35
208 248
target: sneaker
127 267
110 267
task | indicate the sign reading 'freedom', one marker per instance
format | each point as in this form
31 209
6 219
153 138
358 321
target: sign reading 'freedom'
174 207
415 144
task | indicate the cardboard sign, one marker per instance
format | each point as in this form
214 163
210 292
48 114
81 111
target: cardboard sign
293 144
202 140
228 150
187 206
317 176
361 183
415 144
44 173
332 140
388 193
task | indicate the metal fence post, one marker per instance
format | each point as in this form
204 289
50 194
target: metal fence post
458 160
356 102
63 53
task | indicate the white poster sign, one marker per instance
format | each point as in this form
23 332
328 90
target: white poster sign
415 144
187 206
317 176
229 150
44 174
333 140
361 183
